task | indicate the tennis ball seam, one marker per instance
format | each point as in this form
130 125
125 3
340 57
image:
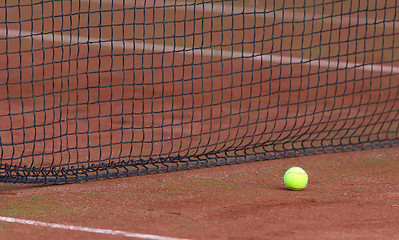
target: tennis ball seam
295 178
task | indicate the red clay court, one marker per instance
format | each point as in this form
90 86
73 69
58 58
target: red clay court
112 88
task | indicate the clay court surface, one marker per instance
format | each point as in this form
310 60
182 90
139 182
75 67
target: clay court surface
92 95
200 80
352 195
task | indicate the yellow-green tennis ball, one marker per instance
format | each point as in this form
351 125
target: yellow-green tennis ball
295 178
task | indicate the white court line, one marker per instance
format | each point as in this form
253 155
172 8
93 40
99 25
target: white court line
293 15
86 229
287 15
137 46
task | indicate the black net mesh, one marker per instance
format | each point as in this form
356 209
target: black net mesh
108 88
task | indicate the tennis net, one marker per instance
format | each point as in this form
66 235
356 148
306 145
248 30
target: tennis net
111 88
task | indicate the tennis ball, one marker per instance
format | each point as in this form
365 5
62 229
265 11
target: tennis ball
295 178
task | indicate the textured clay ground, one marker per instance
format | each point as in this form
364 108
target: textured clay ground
352 195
